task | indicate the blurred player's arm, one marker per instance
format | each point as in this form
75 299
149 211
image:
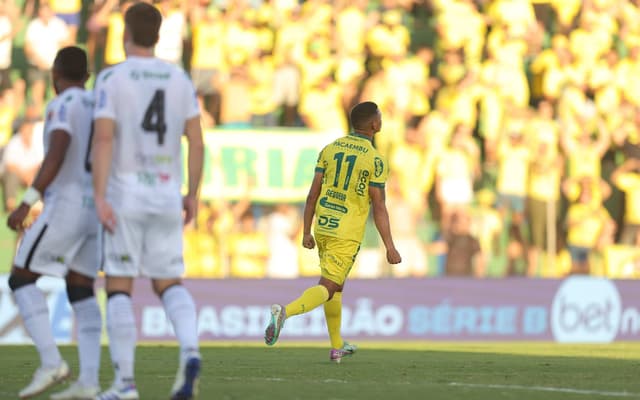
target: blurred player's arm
310 209
102 148
381 219
58 145
193 132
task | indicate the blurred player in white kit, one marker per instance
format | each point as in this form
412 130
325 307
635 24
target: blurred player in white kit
62 242
143 108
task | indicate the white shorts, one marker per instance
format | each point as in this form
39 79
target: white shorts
143 245
62 238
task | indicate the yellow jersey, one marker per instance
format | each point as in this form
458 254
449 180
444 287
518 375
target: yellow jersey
350 165
629 183
66 6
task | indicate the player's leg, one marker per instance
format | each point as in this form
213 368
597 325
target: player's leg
337 269
181 310
162 262
121 255
333 316
89 329
36 256
121 328
83 268
309 299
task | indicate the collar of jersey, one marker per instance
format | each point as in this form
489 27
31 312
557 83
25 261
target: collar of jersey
361 136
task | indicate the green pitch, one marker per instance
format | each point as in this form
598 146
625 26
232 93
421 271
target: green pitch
379 371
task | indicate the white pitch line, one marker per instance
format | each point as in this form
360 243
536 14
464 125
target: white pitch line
546 389
459 384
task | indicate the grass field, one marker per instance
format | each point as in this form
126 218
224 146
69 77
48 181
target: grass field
379 371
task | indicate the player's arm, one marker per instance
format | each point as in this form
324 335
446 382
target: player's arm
101 150
58 145
381 219
193 132
310 209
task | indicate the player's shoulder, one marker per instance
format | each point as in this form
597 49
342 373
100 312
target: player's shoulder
108 73
177 72
74 96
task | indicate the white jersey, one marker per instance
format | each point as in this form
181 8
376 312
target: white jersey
150 101
71 112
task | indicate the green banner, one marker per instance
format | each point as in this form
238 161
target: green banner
267 166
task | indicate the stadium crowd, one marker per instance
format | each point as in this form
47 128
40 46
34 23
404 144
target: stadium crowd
512 127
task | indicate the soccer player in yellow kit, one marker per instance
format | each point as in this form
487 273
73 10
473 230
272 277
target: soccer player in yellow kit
350 176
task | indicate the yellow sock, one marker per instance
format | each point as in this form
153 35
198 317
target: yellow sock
310 299
333 315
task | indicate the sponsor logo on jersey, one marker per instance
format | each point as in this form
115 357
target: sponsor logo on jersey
107 75
62 113
379 167
120 258
336 195
351 146
363 178
153 160
102 99
137 75
333 206
52 258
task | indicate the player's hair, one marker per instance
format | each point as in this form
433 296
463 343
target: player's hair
71 63
143 21
362 113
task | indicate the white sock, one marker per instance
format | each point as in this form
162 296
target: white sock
89 328
181 310
35 316
121 326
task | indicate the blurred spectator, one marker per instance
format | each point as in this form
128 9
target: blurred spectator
405 232
283 224
350 29
588 226
201 249
321 107
172 31
7 115
514 156
248 249
286 87
584 152
456 169
45 35
8 30
543 201
111 17
21 159
69 11
487 224
207 59
235 109
627 178
464 255
241 39
261 74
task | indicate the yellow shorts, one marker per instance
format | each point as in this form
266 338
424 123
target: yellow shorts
336 257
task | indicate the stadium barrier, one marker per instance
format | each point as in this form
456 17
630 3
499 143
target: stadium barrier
575 310
268 166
